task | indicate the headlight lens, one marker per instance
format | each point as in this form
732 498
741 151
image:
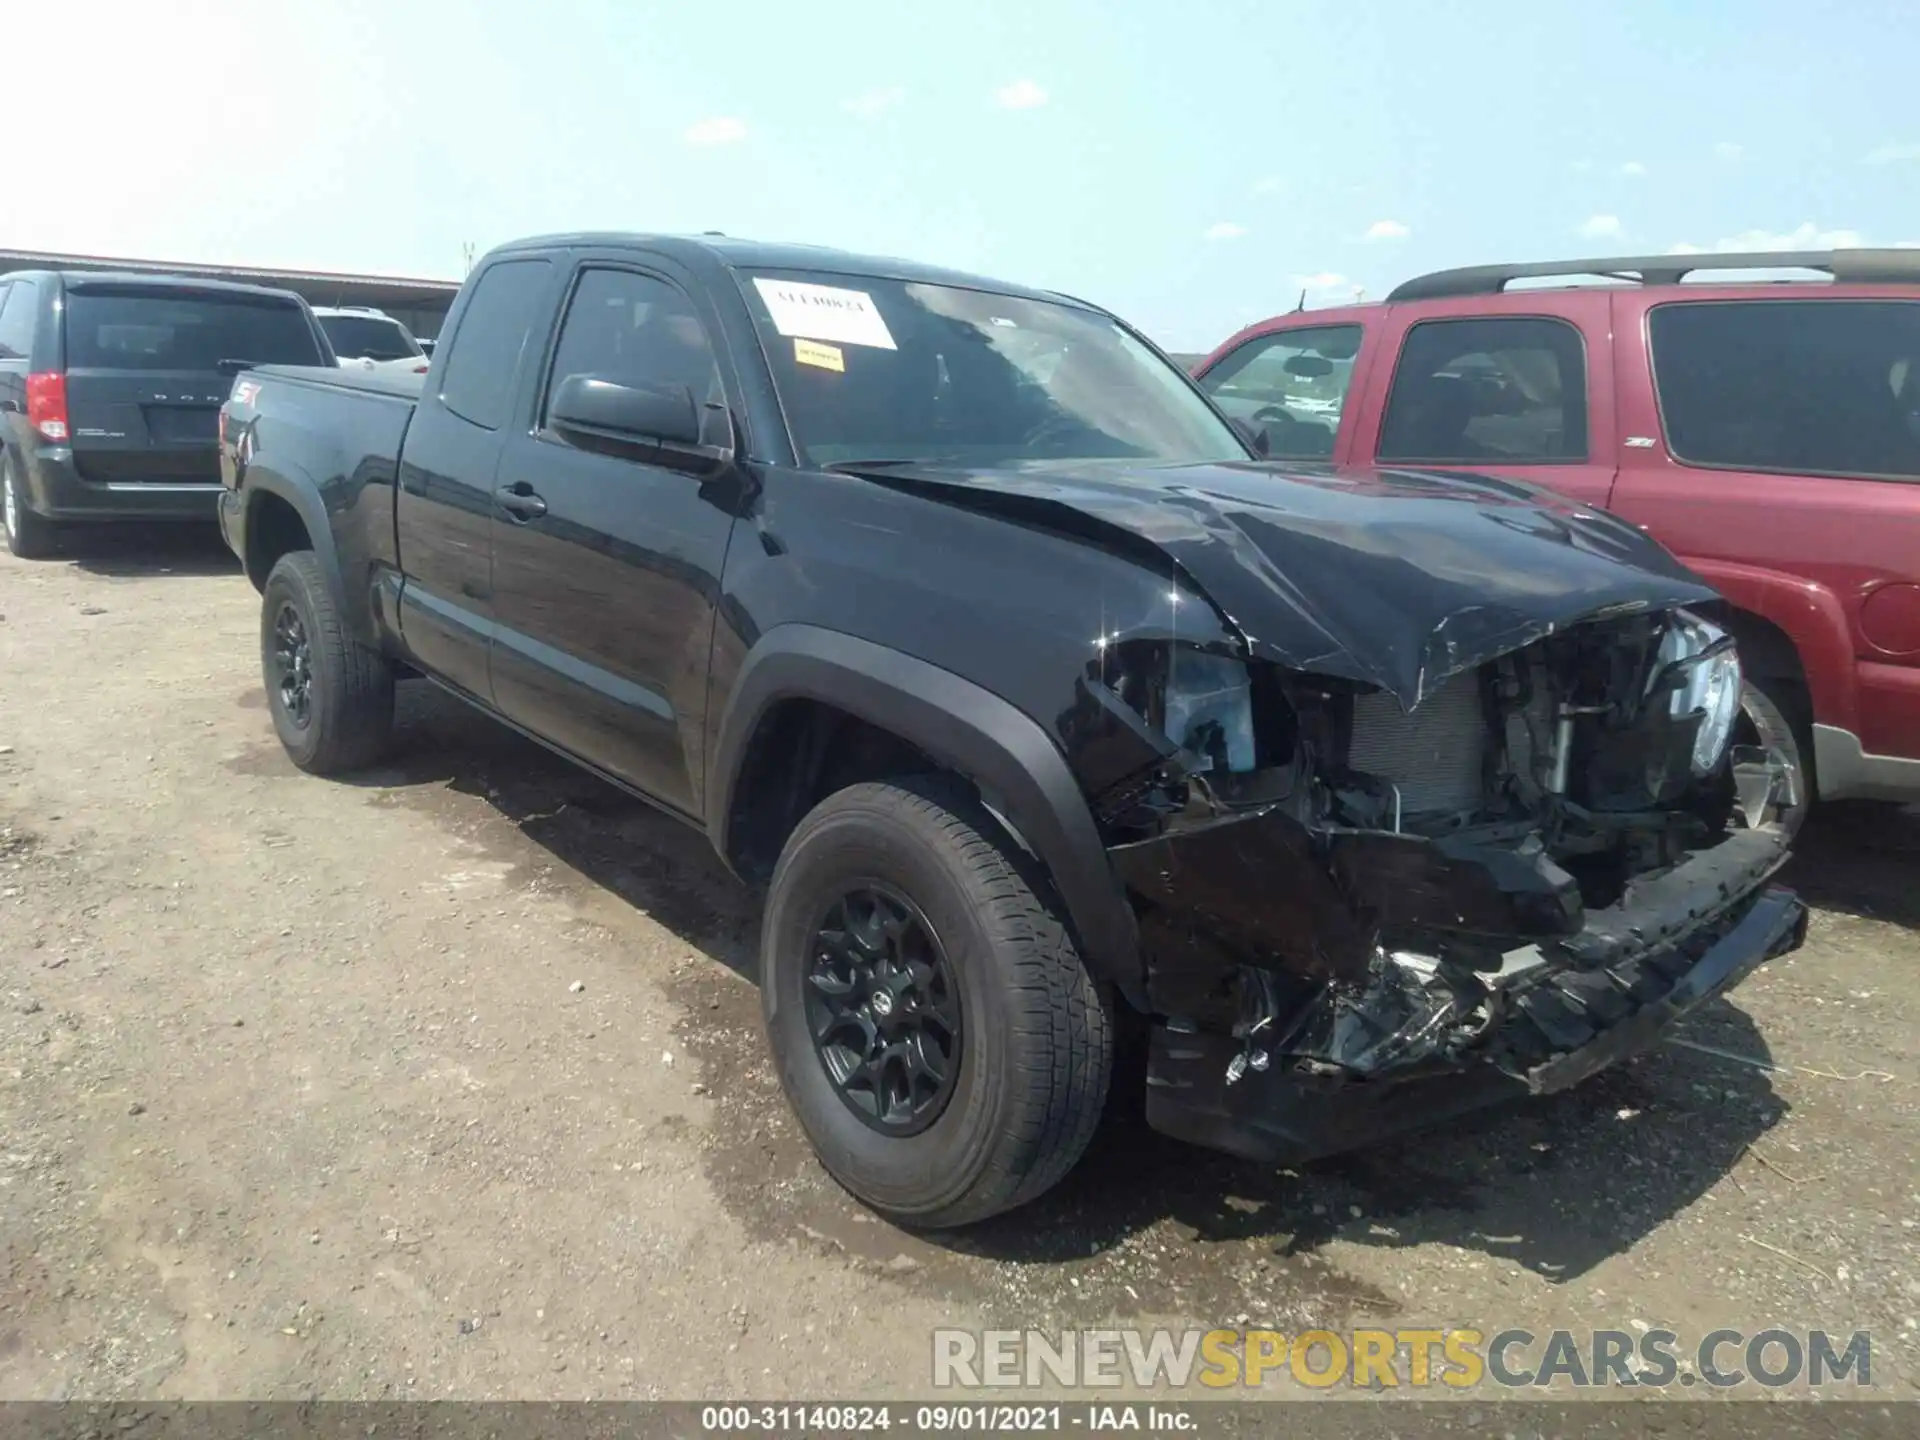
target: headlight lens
1700 670
1210 691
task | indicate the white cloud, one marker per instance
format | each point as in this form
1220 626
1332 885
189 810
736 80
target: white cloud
721 130
1225 230
1893 154
1268 185
874 102
1021 95
1601 227
1581 167
1387 230
1806 236
1633 170
1728 151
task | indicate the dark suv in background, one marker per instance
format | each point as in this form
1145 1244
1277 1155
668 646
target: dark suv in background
110 392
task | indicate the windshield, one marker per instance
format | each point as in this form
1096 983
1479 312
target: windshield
871 369
130 329
370 337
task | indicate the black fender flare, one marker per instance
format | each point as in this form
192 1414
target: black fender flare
1018 768
300 491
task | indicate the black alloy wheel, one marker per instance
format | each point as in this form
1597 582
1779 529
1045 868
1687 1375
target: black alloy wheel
293 666
884 1010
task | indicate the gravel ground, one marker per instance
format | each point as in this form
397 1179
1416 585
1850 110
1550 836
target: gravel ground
449 1082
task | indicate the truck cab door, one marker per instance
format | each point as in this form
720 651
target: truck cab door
607 563
443 516
1496 385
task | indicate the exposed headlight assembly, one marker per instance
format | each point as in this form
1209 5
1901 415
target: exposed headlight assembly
1209 707
1698 669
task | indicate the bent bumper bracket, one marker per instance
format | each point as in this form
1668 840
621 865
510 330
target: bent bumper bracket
1279 1117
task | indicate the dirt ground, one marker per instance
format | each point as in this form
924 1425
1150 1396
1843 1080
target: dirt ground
449 1082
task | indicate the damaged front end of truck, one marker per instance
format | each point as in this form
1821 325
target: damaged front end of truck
1480 853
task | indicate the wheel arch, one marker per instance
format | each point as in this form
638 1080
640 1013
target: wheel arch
1790 628
962 728
272 500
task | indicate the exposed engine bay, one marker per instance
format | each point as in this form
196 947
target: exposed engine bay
1333 888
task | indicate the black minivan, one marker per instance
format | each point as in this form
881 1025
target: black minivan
111 387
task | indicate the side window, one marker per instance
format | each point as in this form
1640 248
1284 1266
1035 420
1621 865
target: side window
1816 387
637 330
1488 392
485 353
1293 385
17 303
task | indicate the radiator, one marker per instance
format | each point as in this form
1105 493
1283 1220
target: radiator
1435 755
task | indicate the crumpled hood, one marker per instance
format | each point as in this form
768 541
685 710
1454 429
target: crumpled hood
1393 577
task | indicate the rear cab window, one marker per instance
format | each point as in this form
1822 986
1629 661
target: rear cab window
1290 384
1794 387
483 356
134 328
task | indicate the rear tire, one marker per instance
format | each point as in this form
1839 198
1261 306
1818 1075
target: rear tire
331 697
1031 1033
29 536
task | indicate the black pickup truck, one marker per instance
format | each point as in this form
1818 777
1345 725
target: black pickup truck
1045 709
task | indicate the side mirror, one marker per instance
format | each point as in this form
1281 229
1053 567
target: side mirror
659 424
587 406
1254 435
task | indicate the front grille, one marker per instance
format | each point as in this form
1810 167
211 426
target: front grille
1433 756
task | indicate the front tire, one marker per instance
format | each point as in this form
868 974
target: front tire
935 1031
331 697
29 536
1774 714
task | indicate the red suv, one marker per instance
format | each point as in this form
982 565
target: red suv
1767 432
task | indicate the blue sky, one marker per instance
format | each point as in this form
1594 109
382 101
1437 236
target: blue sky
1192 173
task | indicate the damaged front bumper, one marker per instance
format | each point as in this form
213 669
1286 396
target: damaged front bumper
1362 1058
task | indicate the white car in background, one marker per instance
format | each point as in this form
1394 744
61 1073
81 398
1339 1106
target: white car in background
367 339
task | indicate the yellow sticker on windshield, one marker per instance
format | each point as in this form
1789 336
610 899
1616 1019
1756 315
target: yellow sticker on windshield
827 357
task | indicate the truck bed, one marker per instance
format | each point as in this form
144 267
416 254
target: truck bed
337 436
401 385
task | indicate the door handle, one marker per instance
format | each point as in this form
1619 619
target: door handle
519 501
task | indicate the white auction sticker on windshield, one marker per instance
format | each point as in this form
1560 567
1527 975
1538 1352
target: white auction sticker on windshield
824 312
